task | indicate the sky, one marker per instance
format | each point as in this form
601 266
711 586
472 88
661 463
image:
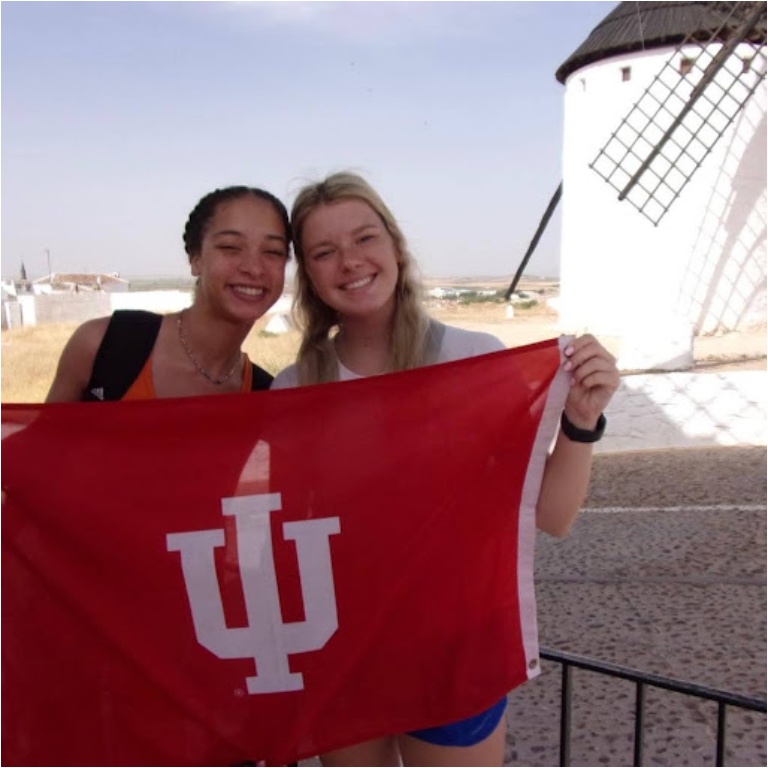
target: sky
117 117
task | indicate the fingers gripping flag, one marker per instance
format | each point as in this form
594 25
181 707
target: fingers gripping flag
208 581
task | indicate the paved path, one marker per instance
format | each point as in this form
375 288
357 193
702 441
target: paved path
663 572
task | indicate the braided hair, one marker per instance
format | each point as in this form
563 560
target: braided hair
203 212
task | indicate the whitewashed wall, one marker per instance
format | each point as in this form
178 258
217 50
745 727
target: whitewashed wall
701 269
79 307
152 301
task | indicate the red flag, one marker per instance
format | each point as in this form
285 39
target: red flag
213 580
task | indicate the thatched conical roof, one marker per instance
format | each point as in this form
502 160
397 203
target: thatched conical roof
637 26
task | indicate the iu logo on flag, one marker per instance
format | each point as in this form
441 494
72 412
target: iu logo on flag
267 638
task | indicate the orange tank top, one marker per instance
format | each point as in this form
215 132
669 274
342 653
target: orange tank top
143 388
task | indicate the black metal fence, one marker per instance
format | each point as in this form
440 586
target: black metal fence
642 680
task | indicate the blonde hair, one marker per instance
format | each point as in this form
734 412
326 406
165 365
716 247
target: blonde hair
317 361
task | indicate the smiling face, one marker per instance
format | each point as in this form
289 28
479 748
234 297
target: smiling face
242 258
351 259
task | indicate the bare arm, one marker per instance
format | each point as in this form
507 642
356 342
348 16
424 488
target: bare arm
566 477
76 362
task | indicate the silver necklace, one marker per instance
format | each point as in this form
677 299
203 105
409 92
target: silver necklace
191 355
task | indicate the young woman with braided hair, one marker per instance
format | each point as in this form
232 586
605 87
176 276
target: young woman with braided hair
237 240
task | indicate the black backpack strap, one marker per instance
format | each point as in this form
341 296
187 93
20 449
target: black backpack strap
260 379
127 343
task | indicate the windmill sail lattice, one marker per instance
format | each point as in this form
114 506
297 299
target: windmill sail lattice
693 99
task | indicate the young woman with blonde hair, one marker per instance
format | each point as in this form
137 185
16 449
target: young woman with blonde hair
359 304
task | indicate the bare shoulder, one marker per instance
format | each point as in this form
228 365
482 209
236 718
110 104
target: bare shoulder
76 361
91 332
85 341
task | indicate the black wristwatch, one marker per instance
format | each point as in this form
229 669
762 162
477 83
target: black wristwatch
583 435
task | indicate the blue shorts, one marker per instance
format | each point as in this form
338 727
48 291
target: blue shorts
464 733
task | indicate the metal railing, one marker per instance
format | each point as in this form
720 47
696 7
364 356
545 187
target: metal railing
642 680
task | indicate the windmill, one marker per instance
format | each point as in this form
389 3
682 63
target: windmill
663 140
664 177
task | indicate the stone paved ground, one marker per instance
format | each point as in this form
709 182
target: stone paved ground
677 588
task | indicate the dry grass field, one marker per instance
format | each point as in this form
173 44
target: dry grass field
29 355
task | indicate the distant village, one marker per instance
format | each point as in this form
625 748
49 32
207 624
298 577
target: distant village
66 297
65 282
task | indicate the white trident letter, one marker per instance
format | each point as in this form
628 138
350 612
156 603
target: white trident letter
267 639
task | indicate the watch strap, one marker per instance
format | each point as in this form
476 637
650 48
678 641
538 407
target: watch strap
578 435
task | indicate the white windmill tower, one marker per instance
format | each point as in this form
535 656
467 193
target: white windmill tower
664 178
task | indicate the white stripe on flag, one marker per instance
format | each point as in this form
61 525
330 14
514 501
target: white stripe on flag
550 420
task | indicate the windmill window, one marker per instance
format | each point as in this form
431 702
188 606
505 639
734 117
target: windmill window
626 74
686 65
